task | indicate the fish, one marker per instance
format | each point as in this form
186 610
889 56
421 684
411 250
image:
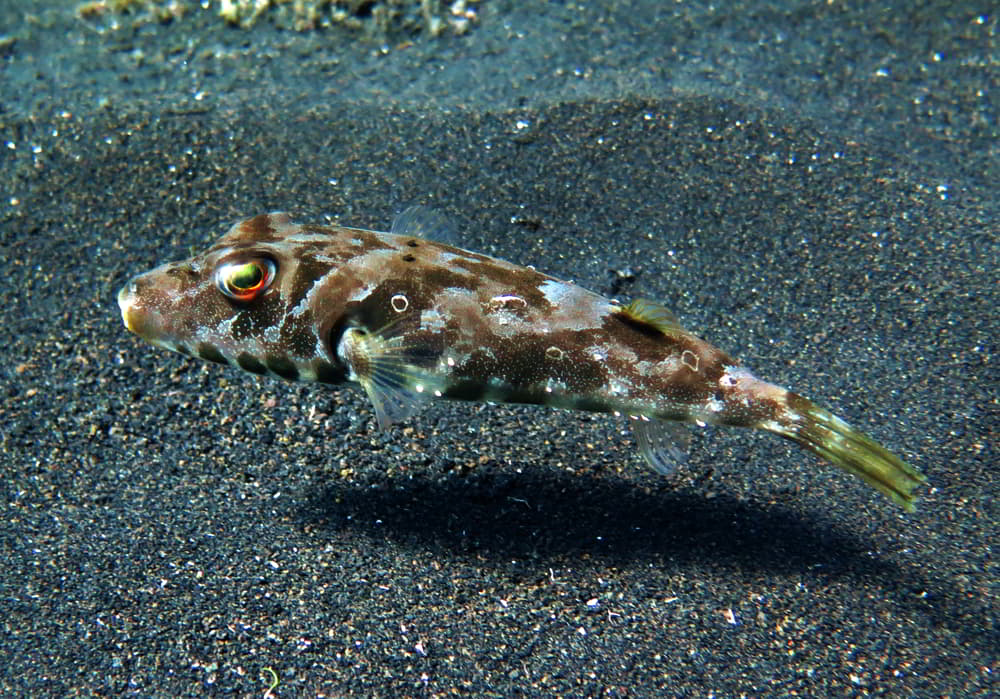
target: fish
410 317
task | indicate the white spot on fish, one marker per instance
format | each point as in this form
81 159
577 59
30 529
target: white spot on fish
618 387
399 303
502 309
506 301
225 327
733 375
690 360
272 334
597 353
553 385
554 353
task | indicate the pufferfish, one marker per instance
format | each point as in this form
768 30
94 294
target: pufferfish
410 318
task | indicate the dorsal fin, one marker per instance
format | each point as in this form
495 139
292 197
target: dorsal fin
424 222
653 315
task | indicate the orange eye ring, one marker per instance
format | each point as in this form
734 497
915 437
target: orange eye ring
245 280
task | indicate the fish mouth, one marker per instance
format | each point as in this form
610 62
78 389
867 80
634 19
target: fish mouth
126 304
143 323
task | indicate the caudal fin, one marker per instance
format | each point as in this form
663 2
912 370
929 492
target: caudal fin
826 435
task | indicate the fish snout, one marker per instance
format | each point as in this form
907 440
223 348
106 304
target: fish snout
137 316
126 304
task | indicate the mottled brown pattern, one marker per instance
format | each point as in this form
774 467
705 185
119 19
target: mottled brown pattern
297 334
308 270
258 229
524 362
473 328
370 240
256 317
517 280
375 311
212 309
652 345
436 278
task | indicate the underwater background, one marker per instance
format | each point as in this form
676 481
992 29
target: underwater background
811 186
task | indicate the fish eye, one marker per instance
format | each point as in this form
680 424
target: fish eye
245 280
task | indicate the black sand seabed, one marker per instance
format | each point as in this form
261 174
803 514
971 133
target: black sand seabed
812 189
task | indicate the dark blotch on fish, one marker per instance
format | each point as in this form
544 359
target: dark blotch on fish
250 363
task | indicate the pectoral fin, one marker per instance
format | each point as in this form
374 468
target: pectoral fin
384 367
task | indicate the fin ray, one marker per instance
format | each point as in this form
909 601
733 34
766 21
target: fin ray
391 397
663 445
826 435
652 314
424 222
384 364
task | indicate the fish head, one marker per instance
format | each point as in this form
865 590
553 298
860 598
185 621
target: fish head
246 302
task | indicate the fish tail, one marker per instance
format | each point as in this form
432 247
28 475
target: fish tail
826 435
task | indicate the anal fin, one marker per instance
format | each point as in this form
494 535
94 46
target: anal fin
663 444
